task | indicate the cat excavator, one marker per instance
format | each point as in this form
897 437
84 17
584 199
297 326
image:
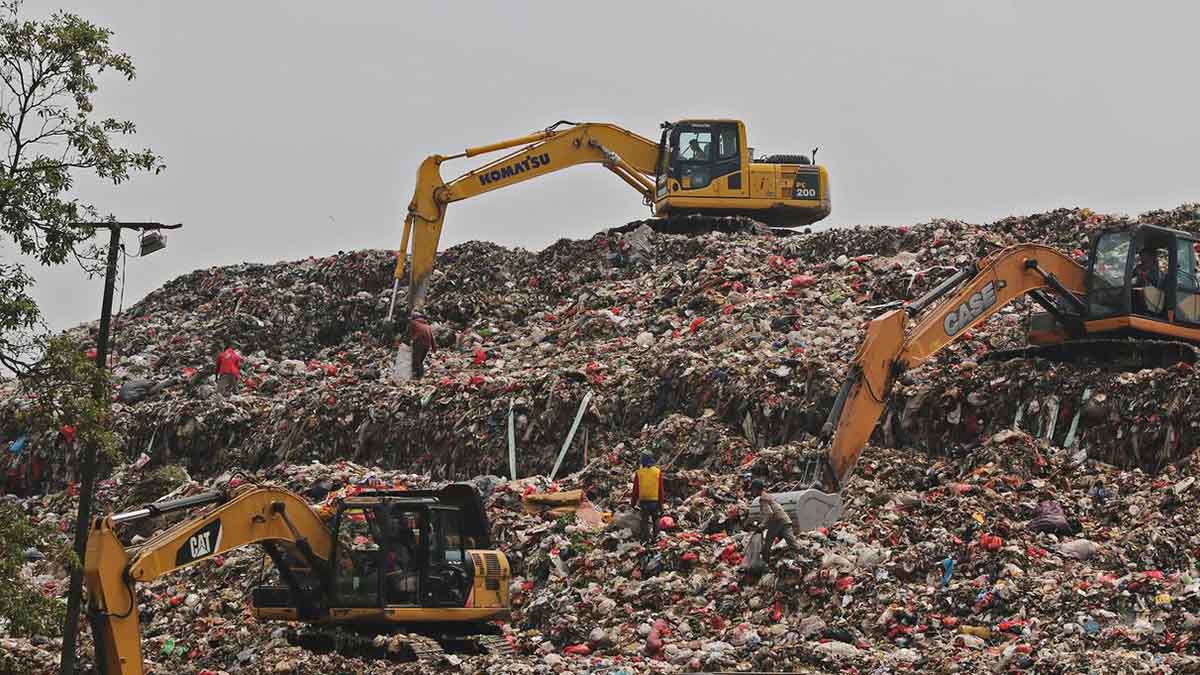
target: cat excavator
396 574
1136 304
698 171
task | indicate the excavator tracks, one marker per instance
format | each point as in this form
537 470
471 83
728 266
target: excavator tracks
425 649
402 647
1111 354
700 224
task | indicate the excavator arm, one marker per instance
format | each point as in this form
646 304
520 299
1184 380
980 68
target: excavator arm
268 516
630 156
966 299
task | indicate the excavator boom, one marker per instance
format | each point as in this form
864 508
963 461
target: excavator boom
965 300
630 156
252 515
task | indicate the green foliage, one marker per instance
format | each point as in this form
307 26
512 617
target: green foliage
26 609
51 133
62 387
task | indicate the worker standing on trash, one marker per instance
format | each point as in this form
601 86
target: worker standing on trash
422 343
778 523
647 496
229 371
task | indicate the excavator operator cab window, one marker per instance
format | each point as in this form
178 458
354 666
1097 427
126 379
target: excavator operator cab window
1107 293
702 152
1187 288
691 155
357 558
402 560
449 575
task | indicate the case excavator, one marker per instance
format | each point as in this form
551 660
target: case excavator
398 574
1136 304
699 171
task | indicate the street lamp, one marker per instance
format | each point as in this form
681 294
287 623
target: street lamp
149 244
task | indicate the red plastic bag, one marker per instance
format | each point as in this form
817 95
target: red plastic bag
480 356
666 523
803 281
695 325
578 650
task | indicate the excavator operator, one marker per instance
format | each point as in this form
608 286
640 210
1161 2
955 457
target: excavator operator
1147 282
698 153
402 558
1147 272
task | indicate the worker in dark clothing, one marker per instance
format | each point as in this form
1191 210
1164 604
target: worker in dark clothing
1148 297
422 343
1147 271
647 496
778 523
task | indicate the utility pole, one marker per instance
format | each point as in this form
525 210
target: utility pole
87 485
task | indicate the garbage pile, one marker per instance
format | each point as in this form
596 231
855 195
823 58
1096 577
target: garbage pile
1019 556
1013 514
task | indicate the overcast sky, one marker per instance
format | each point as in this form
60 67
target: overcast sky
294 128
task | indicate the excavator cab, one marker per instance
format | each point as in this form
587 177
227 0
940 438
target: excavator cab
705 167
404 557
1141 283
403 551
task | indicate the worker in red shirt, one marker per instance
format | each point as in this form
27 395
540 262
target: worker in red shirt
422 343
647 496
229 371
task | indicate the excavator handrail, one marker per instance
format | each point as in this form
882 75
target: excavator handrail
890 346
250 515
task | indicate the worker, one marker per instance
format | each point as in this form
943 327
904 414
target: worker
777 521
229 371
422 343
698 153
1147 271
1147 276
647 496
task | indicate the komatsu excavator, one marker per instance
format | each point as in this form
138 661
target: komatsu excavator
699 167
415 565
1136 304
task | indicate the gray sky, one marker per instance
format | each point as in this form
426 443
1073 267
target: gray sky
294 128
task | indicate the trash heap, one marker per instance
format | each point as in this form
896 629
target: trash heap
1013 514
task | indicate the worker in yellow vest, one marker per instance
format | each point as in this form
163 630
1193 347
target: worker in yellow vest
647 496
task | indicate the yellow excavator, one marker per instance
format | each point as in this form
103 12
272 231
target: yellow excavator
1136 304
702 168
413 565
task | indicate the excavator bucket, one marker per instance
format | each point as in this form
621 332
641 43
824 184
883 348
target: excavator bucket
809 509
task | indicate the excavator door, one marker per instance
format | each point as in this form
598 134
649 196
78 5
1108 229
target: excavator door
702 158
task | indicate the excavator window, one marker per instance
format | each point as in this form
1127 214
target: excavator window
402 563
448 578
1187 288
1107 292
727 143
358 558
701 153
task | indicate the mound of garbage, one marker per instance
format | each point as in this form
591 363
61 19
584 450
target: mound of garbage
1012 514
